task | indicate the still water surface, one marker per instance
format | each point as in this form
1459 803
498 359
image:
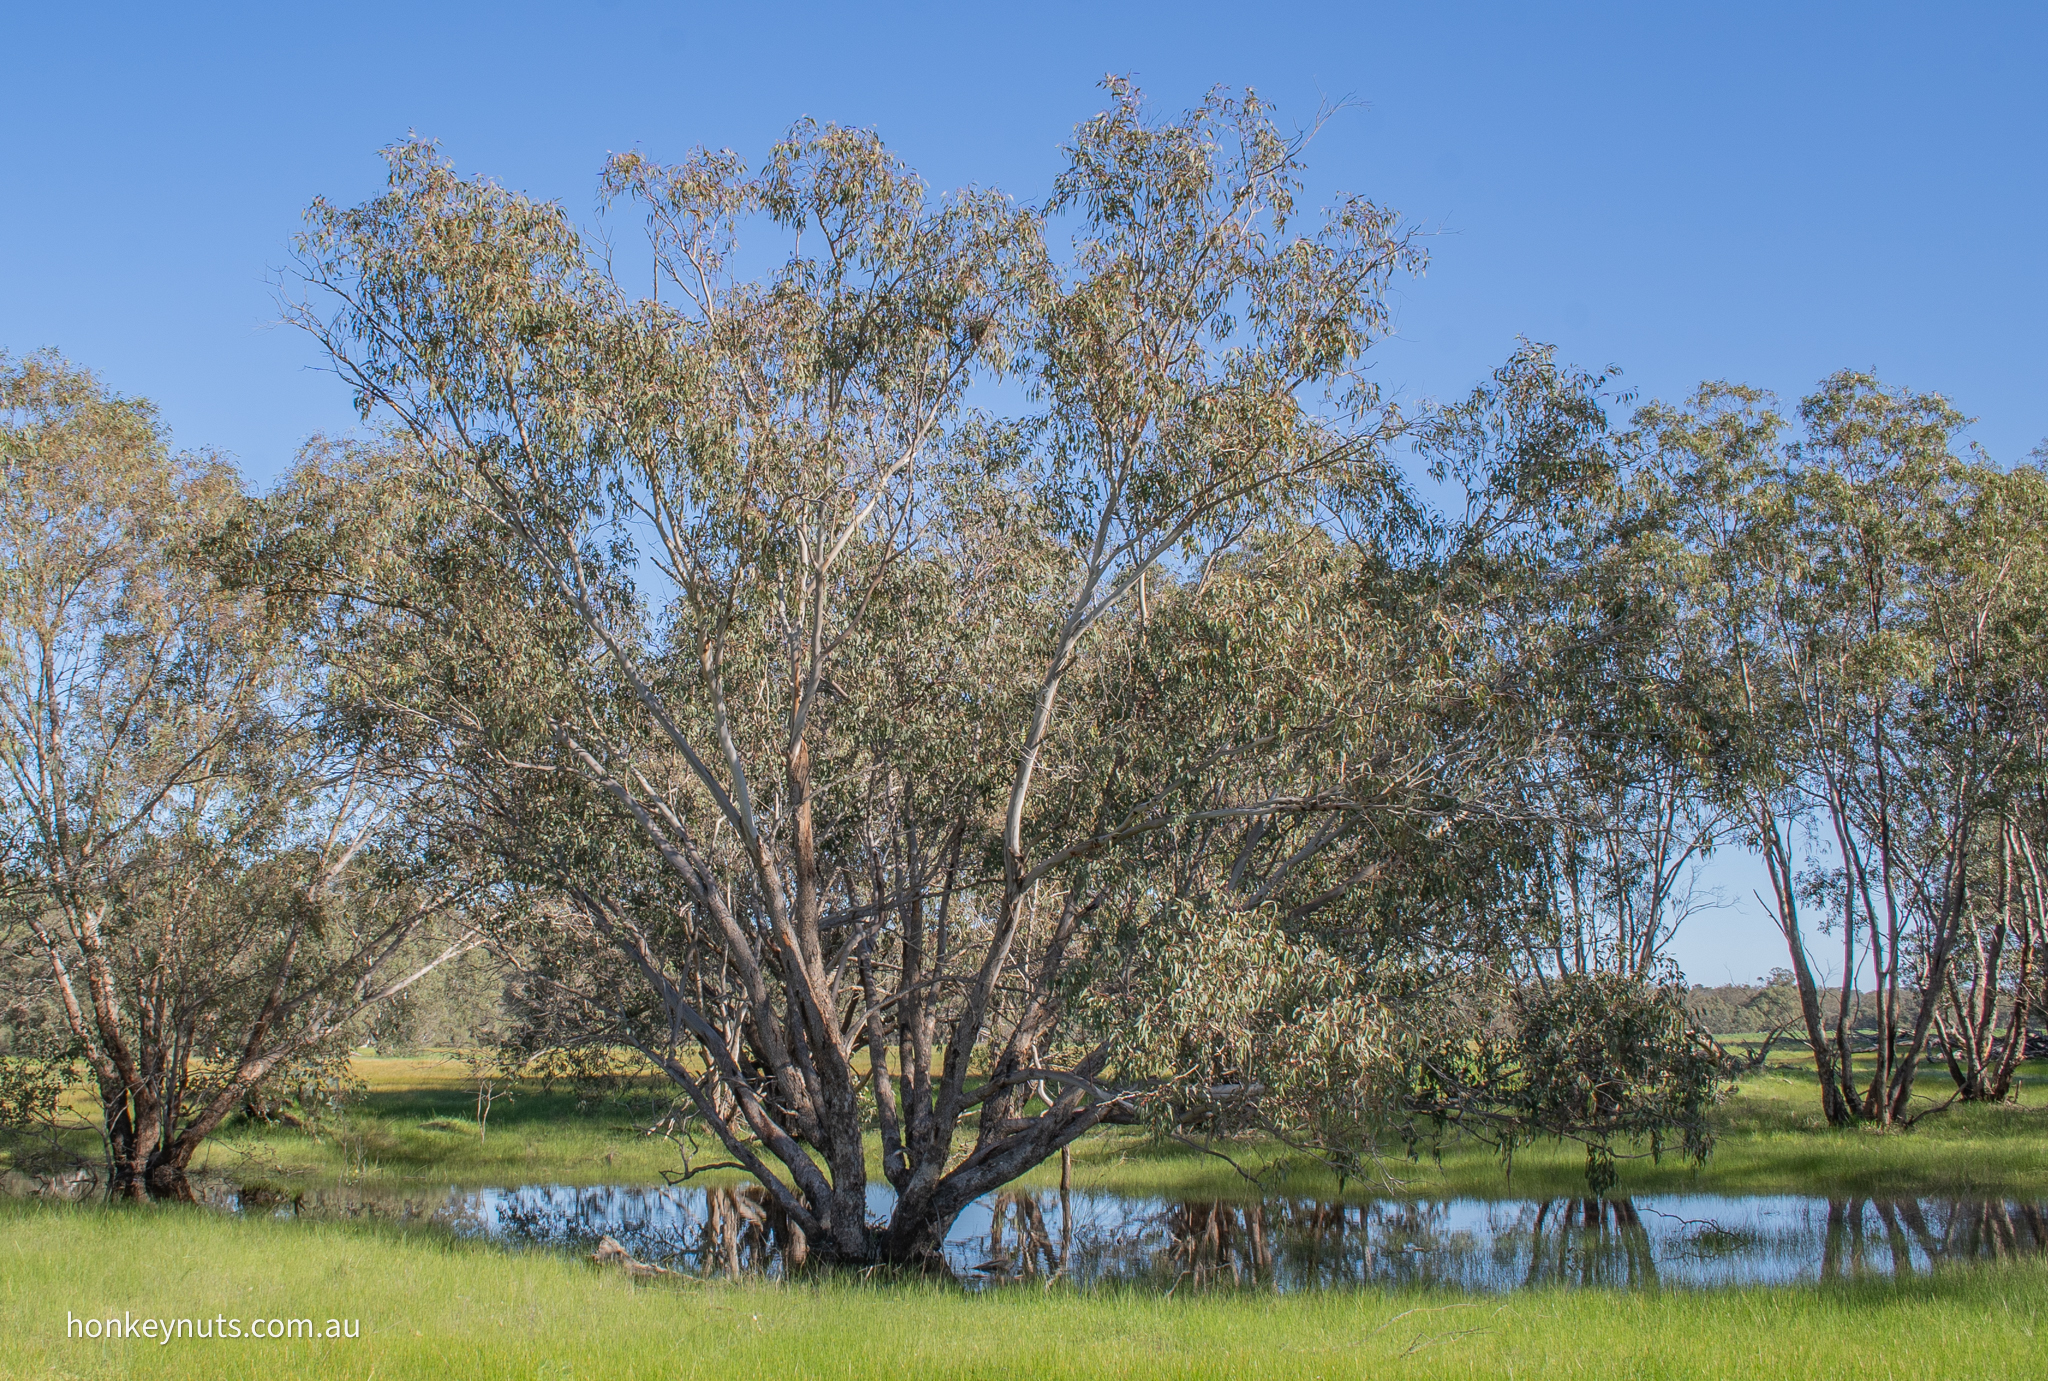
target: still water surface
1291 1243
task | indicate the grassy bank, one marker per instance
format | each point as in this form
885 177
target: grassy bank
418 1125
428 1307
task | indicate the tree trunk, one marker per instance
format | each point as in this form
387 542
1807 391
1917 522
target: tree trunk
168 1182
160 1178
127 1170
1838 1109
916 1236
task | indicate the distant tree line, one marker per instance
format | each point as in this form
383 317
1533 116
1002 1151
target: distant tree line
965 673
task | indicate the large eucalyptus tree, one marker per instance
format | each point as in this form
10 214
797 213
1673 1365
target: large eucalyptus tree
748 573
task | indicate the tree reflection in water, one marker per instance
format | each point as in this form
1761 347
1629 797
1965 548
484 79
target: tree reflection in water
1283 1242
1883 1237
1301 1244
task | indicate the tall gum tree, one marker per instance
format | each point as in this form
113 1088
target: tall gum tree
721 511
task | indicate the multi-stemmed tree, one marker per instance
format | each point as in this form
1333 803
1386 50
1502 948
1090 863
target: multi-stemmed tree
816 629
877 764
1865 600
204 879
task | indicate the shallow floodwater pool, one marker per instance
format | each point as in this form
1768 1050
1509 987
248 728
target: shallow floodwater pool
1693 1241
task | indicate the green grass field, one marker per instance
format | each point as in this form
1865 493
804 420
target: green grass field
418 1125
427 1307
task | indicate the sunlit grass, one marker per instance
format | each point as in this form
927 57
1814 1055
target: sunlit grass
418 1126
419 1122
429 1306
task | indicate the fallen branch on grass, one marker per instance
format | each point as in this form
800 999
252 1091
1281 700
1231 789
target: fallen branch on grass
610 1253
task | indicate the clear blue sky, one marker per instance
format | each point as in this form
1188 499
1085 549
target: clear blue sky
1762 192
